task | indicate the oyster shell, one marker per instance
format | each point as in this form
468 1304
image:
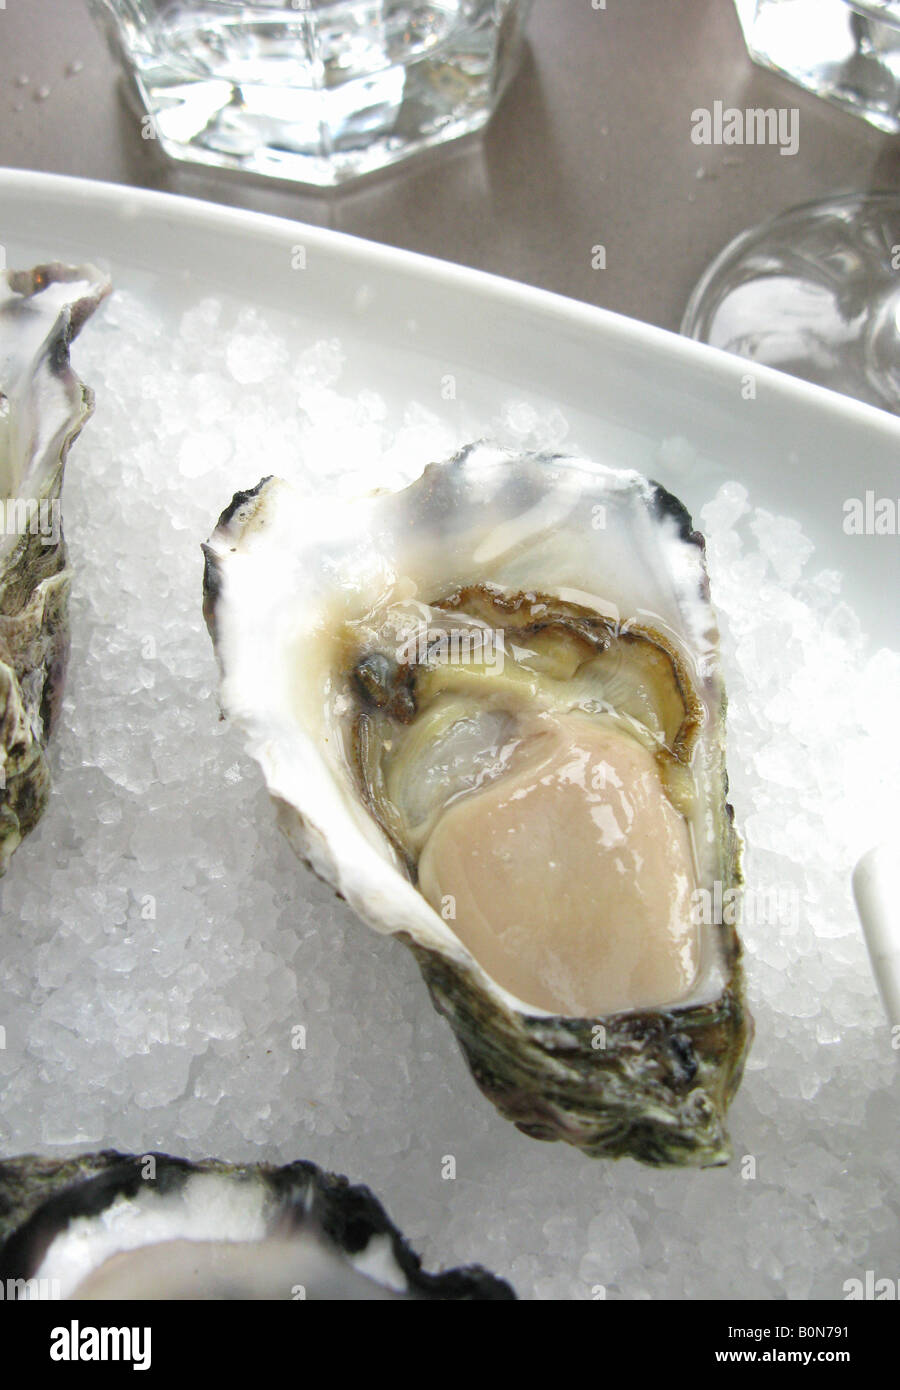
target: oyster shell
541 818
43 407
148 1226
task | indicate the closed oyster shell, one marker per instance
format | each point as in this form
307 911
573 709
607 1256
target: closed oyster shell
302 596
43 407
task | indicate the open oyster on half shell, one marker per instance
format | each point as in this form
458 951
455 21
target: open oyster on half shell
149 1226
489 709
43 407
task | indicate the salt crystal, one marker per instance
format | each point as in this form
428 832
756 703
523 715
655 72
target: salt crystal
204 451
782 542
251 358
843 626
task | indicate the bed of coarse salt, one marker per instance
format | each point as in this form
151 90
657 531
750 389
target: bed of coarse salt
164 953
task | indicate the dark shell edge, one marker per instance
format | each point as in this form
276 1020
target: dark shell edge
40 1196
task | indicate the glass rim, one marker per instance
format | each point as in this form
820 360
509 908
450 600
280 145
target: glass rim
691 316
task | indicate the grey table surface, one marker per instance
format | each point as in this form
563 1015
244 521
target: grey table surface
590 145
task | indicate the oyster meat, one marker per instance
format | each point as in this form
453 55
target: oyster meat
43 407
148 1226
489 708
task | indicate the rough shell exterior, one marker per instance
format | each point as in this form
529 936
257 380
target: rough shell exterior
35 378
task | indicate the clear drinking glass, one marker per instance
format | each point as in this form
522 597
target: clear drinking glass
816 290
319 91
847 51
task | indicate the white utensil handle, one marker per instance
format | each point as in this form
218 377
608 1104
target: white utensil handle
876 888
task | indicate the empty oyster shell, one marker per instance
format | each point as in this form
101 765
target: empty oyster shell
128 1226
43 407
489 709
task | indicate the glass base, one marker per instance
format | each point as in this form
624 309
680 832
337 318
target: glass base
314 93
847 51
814 292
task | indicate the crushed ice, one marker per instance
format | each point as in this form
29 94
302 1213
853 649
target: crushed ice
171 978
